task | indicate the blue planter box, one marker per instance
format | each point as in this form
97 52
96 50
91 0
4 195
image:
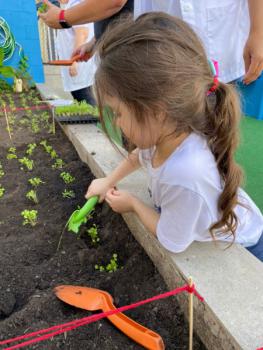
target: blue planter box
252 98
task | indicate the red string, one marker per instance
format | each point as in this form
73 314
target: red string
65 327
25 108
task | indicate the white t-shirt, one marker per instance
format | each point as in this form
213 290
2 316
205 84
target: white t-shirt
222 25
65 47
185 190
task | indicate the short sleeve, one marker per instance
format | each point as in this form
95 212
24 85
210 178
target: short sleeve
184 218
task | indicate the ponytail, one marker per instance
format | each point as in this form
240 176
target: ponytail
223 140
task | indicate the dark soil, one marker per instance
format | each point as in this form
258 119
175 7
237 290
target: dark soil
30 266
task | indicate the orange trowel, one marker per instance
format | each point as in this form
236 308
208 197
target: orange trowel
92 299
84 57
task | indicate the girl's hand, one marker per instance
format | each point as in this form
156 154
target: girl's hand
120 201
99 187
73 71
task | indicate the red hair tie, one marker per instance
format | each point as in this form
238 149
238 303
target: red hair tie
215 70
214 86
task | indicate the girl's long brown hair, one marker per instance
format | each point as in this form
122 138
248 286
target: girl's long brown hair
157 63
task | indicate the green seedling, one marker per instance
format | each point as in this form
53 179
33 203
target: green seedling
32 195
35 125
59 163
67 178
12 150
2 191
93 234
11 156
24 122
53 154
47 147
30 149
28 163
111 267
35 181
68 194
76 108
11 153
43 8
2 173
30 217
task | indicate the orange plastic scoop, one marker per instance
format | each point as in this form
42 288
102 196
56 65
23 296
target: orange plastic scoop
69 62
95 299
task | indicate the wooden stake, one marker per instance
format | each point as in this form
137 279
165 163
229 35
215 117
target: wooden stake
53 119
7 124
191 314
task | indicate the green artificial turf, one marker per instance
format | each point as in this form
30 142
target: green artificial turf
250 157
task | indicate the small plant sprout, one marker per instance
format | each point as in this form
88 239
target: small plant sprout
30 217
30 149
28 163
35 125
67 178
2 191
11 153
2 173
59 163
47 147
68 194
111 267
93 234
32 195
53 154
11 156
43 8
35 181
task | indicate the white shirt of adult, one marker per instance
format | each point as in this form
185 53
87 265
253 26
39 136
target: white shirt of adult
222 25
185 190
65 46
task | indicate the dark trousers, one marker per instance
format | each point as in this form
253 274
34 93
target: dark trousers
84 95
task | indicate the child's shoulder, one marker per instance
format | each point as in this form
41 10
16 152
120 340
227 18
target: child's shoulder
192 163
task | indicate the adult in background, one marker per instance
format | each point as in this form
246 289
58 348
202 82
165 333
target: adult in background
229 29
77 78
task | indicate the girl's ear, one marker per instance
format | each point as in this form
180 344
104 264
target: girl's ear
161 115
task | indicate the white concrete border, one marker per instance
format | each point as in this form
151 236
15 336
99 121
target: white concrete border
231 281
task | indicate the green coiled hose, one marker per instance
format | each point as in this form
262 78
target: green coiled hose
7 40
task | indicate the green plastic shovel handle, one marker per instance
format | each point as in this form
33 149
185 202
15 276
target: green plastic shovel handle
87 208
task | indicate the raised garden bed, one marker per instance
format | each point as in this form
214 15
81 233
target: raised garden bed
30 265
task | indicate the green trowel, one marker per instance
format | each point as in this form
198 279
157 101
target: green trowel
79 216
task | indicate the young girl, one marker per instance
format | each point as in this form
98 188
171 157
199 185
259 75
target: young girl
155 76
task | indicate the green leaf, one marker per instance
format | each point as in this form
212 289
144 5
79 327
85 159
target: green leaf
7 72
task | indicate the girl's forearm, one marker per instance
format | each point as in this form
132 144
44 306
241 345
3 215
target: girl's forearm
256 16
126 167
93 10
148 216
